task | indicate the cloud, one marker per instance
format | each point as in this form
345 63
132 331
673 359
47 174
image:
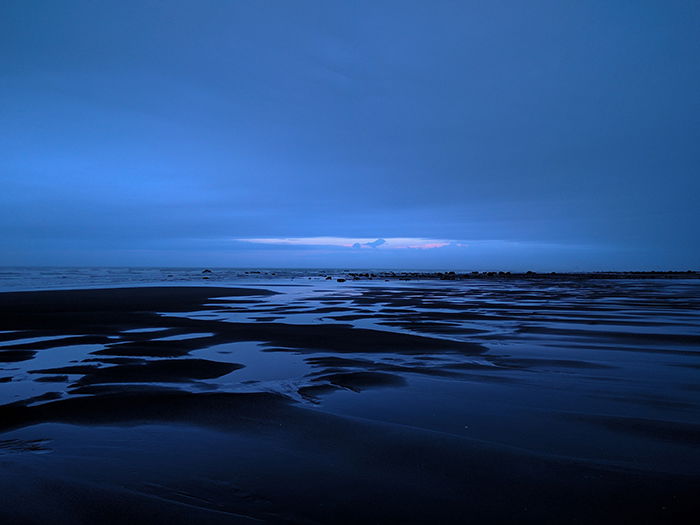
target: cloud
396 243
375 244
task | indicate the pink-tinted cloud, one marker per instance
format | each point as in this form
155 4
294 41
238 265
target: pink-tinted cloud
397 243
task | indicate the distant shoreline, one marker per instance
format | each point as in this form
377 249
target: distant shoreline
460 276
27 278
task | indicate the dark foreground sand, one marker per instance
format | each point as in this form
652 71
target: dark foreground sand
570 404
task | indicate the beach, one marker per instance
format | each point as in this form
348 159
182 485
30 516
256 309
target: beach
500 400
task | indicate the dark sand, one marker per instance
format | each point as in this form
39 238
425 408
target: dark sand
547 402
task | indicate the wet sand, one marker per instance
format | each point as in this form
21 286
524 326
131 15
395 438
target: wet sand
490 402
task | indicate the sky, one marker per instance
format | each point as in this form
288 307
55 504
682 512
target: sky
467 134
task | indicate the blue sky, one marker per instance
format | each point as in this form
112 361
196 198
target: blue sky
465 134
